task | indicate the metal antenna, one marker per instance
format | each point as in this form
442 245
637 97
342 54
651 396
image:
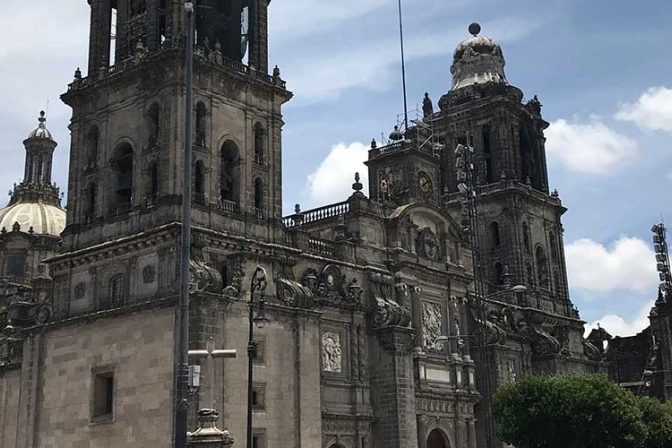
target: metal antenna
403 67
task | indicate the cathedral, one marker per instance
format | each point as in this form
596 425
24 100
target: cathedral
390 318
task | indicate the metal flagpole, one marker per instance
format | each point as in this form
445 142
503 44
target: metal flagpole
403 68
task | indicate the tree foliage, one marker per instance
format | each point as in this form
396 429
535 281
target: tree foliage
575 411
658 419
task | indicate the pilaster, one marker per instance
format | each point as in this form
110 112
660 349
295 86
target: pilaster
393 391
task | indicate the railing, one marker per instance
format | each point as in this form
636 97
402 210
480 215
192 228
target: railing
199 198
259 159
200 53
228 206
508 184
121 209
322 247
258 213
318 214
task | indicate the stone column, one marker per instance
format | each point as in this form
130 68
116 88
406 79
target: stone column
471 433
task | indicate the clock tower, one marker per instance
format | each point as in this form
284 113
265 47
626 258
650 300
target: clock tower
407 169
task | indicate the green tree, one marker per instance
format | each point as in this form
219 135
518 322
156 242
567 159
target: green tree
574 411
657 417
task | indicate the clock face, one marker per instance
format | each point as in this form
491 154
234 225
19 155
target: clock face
425 184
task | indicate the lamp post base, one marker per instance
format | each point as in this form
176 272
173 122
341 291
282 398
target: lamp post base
208 435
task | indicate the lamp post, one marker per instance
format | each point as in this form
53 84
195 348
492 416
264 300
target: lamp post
182 358
258 289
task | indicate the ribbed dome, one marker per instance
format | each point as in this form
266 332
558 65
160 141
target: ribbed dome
477 60
43 218
41 131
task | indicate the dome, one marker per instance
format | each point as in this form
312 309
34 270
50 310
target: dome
41 131
45 219
477 60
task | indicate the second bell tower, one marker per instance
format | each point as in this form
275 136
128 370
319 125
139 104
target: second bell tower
127 124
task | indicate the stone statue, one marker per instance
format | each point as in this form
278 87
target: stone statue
427 107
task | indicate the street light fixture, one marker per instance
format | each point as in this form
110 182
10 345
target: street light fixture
258 319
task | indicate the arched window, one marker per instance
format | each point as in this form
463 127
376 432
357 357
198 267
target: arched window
153 178
153 124
526 237
494 234
259 197
90 204
201 114
542 267
92 138
259 143
40 168
530 273
199 183
230 173
554 246
121 164
117 286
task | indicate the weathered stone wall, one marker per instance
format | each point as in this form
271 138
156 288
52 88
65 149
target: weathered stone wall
139 349
10 391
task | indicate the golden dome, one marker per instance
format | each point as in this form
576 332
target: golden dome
45 219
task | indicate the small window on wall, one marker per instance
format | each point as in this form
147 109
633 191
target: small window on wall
258 396
103 397
16 266
259 438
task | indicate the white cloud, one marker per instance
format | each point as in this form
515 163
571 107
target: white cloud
618 326
628 264
592 148
333 179
652 111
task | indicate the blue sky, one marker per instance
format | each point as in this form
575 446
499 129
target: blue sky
592 63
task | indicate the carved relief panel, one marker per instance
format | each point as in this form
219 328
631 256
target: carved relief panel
432 325
332 352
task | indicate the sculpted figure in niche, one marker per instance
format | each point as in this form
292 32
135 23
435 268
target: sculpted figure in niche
148 274
331 352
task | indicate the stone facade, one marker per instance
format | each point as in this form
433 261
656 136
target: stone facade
370 305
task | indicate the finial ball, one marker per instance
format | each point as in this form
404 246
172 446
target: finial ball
474 29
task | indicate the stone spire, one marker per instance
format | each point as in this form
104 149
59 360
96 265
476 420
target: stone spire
37 183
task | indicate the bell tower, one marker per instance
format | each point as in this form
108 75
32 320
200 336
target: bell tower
520 228
127 140
128 115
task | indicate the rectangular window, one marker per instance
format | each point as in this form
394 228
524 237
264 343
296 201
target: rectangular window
16 266
103 397
258 438
261 350
258 396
